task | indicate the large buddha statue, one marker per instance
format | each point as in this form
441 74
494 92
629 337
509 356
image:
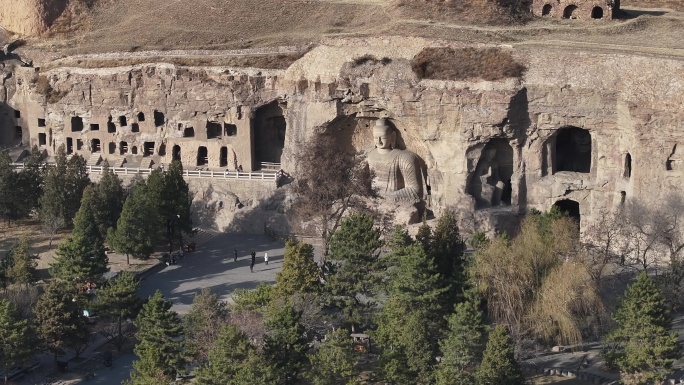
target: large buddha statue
397 172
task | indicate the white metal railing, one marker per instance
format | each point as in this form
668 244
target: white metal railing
270 166
186 173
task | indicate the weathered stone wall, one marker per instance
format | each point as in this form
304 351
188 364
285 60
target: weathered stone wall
30 17
577 9
621 109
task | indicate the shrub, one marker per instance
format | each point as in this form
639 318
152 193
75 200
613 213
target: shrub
466 63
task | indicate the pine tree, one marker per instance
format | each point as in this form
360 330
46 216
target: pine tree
59 323
300 272
30 181
160 348
52 204
22 270
284 345
81 258
644 333
353 274
10 199
228 357
137 228
15 341
498 365
203 324
462 346
446 248
334 362
75 181
119 300
110 199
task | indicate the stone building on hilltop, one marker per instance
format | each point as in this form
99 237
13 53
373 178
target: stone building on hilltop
577 9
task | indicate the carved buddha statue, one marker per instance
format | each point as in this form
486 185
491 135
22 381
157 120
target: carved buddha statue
397 172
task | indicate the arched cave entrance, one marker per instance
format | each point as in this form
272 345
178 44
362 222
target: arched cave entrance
159 118
95 145
176 153
213 130
628 166
570 12
122 121
141 117
490 183
223 159
162 150
573 150
269 133
135 127
69 146
134 150
189 132
111 127
202 156
76 124
546 9
112 147
123 148
597 13
148 148
570 207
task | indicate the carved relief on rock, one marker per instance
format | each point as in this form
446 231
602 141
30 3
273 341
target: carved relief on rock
490 183
398 174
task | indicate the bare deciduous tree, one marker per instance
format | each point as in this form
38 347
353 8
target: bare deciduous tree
330 181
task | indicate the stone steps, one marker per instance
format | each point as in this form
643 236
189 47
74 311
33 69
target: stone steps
94 159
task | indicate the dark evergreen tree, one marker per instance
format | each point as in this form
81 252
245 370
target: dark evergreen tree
334 362
498 361
300 274
110 199
119 301
30 181
22 270
203 324
462 346
232 360
446 248
11 201
169 194
15 339
352 276
52 204
648 346
59 321
138 225
159 347
75 181
81 258
284 344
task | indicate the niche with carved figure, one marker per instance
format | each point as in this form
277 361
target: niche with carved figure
490 182
269 133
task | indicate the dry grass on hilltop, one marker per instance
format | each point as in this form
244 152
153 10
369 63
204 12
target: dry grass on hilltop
491 12
466 63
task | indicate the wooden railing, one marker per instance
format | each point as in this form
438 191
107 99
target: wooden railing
186 173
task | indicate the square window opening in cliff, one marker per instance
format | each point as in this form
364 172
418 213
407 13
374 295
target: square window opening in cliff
213 130
76 124
162 150
270 127
42 139
223 159
229 129
148 149
112 148
17 114
202 156
94 127
134 150
69 146
79 144
141 117
122 121
176 153
573 150
123 148
95 145
18 132
189 132
158 118
41 122
135 127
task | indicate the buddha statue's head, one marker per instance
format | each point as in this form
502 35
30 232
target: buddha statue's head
384 136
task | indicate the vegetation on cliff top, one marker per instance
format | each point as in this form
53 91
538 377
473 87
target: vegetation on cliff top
466 63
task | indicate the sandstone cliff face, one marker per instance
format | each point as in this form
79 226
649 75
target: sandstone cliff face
586 131
30 17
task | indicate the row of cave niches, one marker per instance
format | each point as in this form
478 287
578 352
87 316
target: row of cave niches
570 11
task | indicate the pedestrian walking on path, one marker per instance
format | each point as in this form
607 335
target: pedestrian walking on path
251 266
266 258
235 252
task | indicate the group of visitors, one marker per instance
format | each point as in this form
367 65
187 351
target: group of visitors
253 262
